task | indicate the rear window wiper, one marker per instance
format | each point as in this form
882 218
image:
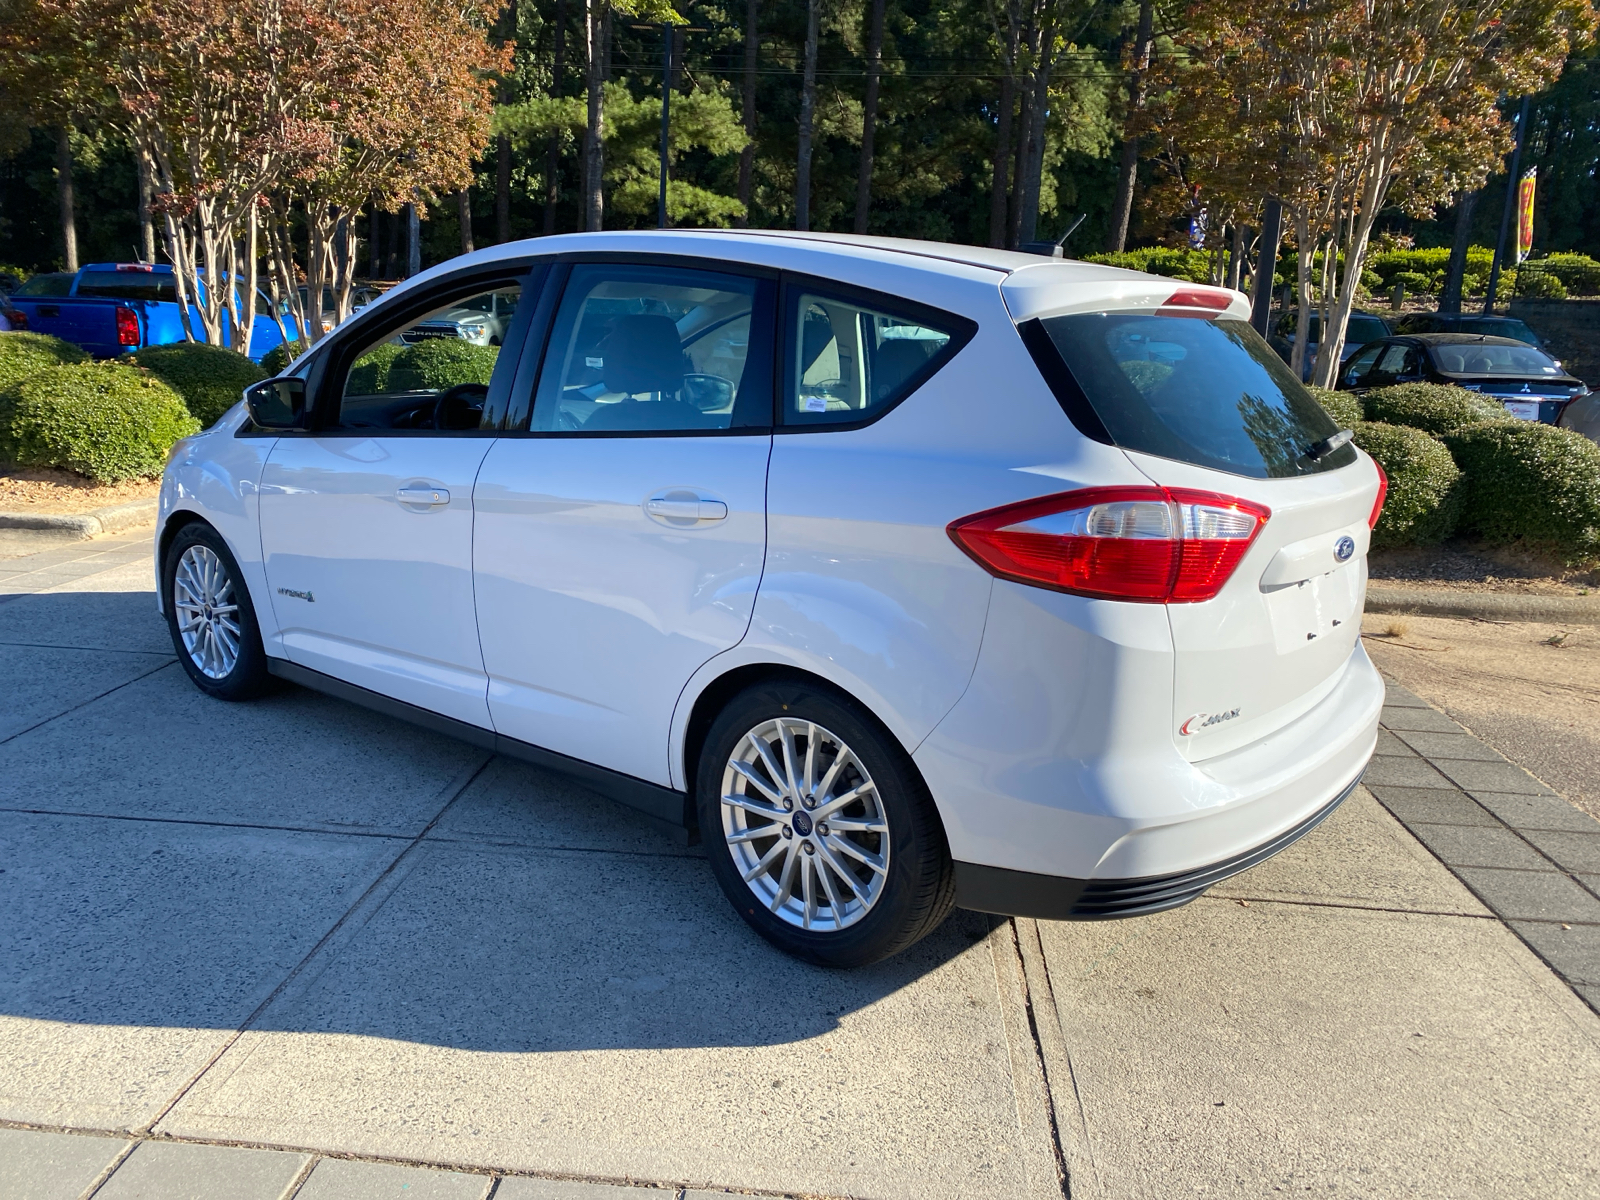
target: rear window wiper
1326 446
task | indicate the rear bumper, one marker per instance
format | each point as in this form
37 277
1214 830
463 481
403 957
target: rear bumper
1056 898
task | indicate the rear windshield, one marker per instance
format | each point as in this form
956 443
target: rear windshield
1211 393
1483 358
128 285
47 285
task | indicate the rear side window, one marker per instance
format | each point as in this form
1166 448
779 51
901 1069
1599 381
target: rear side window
1211 393
128 285
54 284
849 361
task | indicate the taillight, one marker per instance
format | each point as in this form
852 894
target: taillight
1150 544
18 319
127 327
1195 302
1383 494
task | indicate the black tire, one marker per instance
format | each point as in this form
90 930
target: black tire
248 677
918 887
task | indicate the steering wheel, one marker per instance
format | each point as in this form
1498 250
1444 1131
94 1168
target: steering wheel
461 407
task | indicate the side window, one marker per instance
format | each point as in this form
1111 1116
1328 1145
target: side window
433 372
1361 365
848 361
655 350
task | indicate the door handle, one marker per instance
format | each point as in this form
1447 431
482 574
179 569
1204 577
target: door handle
682 507
420 496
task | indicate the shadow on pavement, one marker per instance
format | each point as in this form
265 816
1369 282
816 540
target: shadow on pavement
169 860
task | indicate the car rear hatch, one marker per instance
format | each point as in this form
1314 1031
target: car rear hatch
1173 375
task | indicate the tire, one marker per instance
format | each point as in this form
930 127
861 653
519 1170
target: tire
860 909
216 637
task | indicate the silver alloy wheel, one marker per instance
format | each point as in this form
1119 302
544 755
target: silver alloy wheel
805 825
208 617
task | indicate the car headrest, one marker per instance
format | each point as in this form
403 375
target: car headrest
894 363
642 353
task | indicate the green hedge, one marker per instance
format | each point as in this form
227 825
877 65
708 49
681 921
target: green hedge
1425 485
370 375
1343 407
1432 407
1192 265
23 355
210 379
1427 263
276 361
439 363
1533 483
104 420
1531 281
1578 273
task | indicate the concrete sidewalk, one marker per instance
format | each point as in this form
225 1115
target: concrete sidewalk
312 952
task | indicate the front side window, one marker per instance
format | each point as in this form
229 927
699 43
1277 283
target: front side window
849 361
1207 392
657 350
434 371
1361 364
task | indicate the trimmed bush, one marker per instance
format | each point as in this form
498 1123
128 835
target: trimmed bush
1425 485
1432 407
439 363
1414 281
1532 483
1533 282
104 420
276 361
23 355
1343 407
1579 273
210 379
370 375
1191 265
1429 262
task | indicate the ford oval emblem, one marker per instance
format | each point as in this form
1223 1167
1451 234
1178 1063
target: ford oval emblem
1344 548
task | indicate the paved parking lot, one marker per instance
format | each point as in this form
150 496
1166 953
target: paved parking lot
292 948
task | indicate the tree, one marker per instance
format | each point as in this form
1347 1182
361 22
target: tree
1138 65
869 114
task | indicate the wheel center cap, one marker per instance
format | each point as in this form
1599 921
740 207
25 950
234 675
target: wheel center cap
802 824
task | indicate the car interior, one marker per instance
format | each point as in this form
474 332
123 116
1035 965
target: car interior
854 358
1484 359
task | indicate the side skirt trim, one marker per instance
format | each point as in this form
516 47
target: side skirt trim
665 805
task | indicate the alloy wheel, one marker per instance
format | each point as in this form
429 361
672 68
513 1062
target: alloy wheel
207 612
805 825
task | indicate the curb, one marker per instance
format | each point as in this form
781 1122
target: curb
1493 606
113 518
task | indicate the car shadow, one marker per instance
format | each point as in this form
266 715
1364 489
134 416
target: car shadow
167 860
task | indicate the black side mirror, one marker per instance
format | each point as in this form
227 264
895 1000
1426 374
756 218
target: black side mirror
277 403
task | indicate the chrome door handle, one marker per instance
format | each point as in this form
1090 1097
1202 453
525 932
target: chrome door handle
682 507
426 497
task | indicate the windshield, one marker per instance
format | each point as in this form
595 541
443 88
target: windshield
1211 393
128 285
47 285
1482 358
1362 330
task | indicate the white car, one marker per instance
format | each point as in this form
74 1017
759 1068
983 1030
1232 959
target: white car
904 575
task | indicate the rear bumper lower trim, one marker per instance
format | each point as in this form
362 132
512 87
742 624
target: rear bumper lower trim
1057 898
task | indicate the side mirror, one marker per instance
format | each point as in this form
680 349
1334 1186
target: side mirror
277 403
708 393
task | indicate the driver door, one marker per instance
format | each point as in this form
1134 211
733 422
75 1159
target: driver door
366 520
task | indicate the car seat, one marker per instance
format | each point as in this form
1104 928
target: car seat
643 356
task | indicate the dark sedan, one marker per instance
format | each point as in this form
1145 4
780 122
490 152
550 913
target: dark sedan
1528 381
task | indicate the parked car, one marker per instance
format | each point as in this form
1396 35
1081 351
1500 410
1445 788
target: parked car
1505 327
9 283
1531 384
11 318
1361 329
117 308
901 574
481 320
1583 414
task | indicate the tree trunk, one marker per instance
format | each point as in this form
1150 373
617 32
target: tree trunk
747 156
374 232
64 195
1455 272
1235 256
999 186
552 154
1128 171
1305 251
1038 112
869 115
413 240
464 215
502 189
808 106
147 225
593 148
1331 347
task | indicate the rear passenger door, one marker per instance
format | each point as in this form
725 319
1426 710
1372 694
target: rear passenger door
620 533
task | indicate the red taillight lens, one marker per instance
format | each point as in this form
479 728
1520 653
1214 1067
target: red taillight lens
1195 302
18 319
1383 494
1156 545
127 327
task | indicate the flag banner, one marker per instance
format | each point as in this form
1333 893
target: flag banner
1525 214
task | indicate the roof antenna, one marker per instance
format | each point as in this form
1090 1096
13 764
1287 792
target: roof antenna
1055 249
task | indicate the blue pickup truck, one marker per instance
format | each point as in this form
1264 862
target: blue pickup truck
117 308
